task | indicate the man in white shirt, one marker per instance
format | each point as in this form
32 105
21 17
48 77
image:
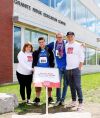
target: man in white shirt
75 60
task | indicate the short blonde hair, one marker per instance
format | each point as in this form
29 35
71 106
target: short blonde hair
59 33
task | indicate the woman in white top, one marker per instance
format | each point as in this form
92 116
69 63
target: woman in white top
24 71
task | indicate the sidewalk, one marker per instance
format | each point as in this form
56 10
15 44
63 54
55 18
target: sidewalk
94 108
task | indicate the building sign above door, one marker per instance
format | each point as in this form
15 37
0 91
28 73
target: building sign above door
37 11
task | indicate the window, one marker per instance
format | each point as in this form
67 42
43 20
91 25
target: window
83 16
91 56
91 21
98 27
97 2
47 2
17 42
33 36
64 7
27 35
79 13
98 57
51 39
85 60
53 3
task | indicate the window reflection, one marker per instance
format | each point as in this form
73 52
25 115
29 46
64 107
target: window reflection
27 35
98 27
85 60
91 56
97 2
45 2
91 21
51 39
33 36
63 6
79 13
17 42
98 57
53 3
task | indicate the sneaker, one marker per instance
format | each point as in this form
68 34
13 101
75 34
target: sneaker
80 107
28 101
57 103
50 100
62 103
73 104
23 101
36 101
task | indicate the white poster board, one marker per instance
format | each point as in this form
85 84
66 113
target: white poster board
47 77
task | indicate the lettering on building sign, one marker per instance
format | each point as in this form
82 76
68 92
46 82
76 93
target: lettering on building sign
50 17
37 11
22 4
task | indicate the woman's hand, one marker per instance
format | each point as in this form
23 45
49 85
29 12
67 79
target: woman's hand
33 69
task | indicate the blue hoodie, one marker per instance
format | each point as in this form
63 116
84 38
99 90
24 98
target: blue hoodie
60 62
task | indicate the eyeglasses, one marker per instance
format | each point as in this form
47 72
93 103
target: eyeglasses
59 37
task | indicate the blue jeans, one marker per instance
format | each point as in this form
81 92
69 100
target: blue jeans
74 77
61 97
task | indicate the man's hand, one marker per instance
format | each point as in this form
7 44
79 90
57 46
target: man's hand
83 45
80 66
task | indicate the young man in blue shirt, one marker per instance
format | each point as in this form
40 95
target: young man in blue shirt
43 57
58 47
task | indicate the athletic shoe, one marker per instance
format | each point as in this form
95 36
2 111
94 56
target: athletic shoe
62 103
80 107
50 100
28 101
73 104
23 101
57 103
36 101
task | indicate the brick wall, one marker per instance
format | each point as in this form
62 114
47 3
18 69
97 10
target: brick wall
6 41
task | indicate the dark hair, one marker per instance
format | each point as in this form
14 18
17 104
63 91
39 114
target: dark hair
41 38
70 33
26 45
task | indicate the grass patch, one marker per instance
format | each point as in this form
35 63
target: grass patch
90 87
